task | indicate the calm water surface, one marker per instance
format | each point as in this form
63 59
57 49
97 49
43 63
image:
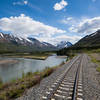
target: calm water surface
10 71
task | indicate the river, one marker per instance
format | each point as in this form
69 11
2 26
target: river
12 71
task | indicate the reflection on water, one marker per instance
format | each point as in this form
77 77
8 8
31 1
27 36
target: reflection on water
14 71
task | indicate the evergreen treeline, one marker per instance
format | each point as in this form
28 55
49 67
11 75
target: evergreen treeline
73 49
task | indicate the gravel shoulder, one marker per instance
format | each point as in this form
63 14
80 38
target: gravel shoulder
91 85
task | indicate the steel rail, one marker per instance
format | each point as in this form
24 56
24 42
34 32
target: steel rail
74 95
49 96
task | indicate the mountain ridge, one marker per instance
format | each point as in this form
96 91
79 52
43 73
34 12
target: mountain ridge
91 40
9 41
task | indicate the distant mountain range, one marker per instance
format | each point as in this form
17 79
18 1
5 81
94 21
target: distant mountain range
11 43
64 44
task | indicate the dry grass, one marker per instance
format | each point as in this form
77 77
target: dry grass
95 58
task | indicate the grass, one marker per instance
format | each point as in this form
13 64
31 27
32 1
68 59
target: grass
71 55
16 88
94 60
1 83
98 69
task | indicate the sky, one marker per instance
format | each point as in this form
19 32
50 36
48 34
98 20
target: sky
50 20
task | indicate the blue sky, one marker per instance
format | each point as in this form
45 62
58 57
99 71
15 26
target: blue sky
50 20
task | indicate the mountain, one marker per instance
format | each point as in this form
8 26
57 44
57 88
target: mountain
64 44
92 40
7 38
11 43
48 44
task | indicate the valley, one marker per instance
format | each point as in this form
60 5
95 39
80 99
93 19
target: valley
32 60
49 49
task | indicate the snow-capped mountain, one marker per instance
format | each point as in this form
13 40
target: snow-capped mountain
64 44
48 44
30 42
8 38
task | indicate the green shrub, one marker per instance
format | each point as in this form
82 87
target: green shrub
94 60
98 69
14 93
29 74
47 72
1 83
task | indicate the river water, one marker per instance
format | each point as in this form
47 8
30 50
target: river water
11 71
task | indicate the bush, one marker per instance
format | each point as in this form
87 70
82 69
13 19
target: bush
98 69
47 72
1 83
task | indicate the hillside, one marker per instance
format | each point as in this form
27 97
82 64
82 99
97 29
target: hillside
91 40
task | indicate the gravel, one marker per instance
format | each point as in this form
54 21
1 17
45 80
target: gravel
91 86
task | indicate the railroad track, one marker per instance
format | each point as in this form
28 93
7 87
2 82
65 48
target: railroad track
69 85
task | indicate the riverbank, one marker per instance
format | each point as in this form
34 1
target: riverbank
2 62
38 56
16 88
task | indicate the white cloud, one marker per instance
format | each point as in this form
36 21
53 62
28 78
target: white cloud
25 26
23 2
82 25
60 5
87 26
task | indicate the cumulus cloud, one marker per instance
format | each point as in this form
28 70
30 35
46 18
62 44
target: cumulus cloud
87 26
82 25
25 26
24 2
60 5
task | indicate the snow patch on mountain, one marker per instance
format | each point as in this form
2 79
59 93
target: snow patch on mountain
64 44
1 35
